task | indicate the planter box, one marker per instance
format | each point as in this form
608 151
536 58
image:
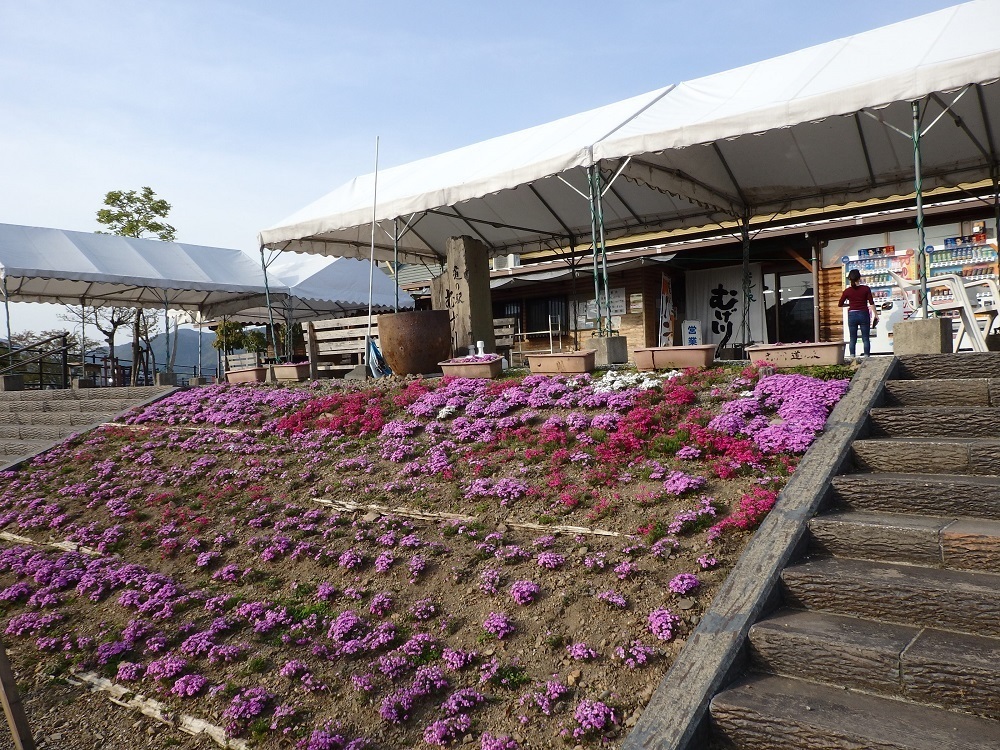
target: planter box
674 357
798 355
289 373
488 370
247 375
562 363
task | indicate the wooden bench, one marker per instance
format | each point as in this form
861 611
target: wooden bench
243 361
336 346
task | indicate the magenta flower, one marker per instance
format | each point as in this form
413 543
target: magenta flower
498 625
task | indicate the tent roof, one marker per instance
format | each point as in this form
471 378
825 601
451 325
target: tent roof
54 265
796 131
319 287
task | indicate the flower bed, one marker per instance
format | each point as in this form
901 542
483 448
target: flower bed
600 517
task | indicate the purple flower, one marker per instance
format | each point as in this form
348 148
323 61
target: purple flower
524 592
663 624
550 560
635 655
499 625
707 561
457 659
613 599
497 742
683 583
189 685
593 716
581 652
444 732
423 609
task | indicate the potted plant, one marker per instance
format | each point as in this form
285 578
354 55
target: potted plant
291 372
798 355
474 366
562 362
670 357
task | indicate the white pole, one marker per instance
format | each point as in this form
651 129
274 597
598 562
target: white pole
371 268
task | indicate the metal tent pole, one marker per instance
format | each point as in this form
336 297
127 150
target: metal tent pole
599 193
371 267
166 324
918 189
198 370
593 243
267 301
747 280
395 259
6 309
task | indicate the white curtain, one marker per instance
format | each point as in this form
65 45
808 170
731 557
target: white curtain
715 297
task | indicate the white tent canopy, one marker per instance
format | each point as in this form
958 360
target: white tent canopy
797 131
53 265
313 287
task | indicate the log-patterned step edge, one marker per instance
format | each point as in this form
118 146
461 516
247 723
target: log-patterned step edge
765 712
920 494
963 601
923 665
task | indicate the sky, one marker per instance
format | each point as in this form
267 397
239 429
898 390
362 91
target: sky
240 112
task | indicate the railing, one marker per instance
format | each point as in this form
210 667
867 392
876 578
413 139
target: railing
50 367
110 371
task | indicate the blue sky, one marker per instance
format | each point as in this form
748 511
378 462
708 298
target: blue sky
241 112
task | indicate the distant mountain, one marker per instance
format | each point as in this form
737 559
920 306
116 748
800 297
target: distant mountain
187 350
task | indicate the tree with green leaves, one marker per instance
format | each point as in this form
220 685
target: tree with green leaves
134 214
141 214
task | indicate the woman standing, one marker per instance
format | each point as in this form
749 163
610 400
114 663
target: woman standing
858 298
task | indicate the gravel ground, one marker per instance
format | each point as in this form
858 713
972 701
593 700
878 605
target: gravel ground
63 716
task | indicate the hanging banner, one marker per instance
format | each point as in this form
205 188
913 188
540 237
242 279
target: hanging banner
715 297
666 312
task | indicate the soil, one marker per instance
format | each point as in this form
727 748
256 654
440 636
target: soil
257 491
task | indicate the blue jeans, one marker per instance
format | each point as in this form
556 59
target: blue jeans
859 319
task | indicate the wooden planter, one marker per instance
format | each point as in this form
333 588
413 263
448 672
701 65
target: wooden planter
674 357
289 373
562 363
247 375
798 355
458 369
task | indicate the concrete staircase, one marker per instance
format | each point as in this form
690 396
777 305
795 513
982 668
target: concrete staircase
32 421
887 634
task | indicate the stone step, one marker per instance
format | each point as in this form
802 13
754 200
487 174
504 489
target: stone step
957 392
920 494
949 366
124 393
952 455
73 418
935 421
957 543
22 447
32 432
922 665
765 712
67 405
964 601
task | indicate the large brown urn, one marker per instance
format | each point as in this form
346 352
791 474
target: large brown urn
414 342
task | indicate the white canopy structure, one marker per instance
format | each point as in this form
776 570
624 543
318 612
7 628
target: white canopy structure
53 265
819 127
311 287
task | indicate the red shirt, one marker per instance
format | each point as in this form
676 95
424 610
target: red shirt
858 297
